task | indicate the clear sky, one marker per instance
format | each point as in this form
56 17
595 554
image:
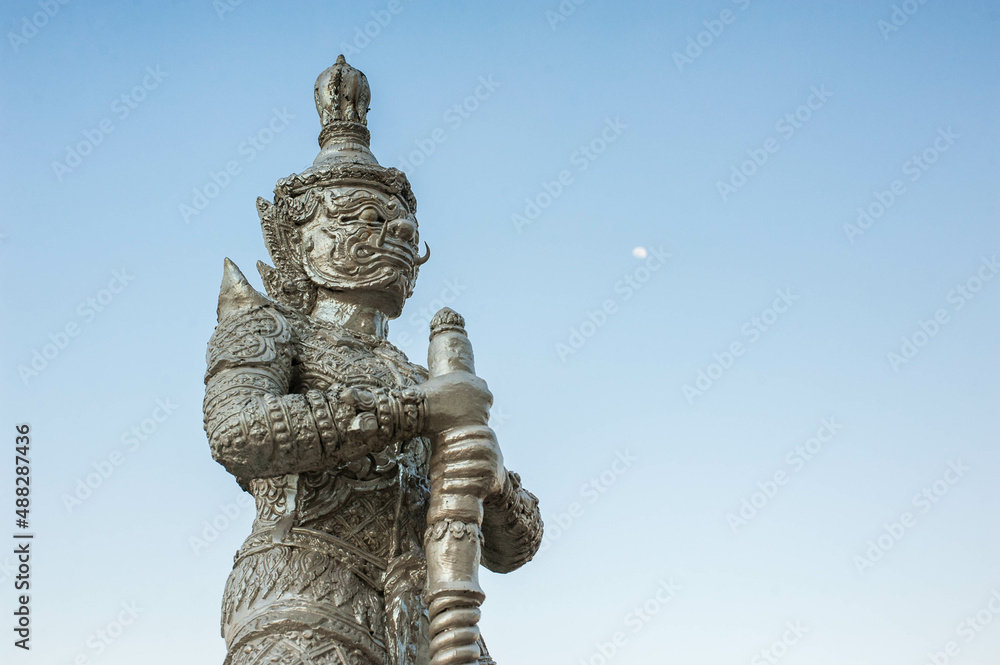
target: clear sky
728 268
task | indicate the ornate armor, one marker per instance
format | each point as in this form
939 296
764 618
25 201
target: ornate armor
323 421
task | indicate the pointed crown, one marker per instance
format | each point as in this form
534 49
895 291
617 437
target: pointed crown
345 158
342 96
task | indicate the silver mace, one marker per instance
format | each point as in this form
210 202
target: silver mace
453 542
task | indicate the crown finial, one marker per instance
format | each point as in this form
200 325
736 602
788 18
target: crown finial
342 96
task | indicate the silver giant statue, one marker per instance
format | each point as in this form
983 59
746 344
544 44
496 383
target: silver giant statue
379 489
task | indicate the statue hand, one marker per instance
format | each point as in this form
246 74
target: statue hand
457 398
462 399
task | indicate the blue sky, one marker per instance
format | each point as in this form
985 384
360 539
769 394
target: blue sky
737 139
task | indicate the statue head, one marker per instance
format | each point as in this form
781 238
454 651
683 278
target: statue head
345 224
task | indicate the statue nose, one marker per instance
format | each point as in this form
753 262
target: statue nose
404 229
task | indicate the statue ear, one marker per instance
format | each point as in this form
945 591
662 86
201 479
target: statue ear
268 214
281 223
286 282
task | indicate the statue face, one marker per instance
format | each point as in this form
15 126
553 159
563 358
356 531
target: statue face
363 243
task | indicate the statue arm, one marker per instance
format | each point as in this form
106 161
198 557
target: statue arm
257 429
512 526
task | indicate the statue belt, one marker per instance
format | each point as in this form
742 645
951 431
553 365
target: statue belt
364 564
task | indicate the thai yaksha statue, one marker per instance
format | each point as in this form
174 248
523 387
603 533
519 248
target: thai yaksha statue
379 487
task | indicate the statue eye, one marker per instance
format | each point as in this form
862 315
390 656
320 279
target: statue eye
370 215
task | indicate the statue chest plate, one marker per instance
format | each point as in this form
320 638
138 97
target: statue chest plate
327 356
364 502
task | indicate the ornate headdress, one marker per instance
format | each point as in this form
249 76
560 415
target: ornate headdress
345 158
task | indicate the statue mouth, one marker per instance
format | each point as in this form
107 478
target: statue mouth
372 263
364 256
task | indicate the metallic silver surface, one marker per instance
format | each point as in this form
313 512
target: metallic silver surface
369 475
455 516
